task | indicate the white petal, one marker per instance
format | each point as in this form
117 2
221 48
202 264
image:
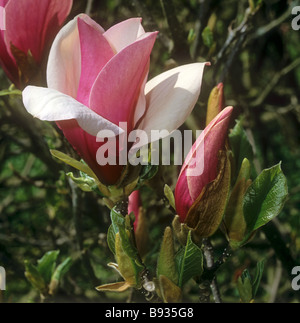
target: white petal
51 105
64 62
124 33
171 97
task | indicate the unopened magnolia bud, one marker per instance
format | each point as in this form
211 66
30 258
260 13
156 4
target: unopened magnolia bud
215 103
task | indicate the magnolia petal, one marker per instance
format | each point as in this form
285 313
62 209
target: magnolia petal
64 62
51 105
134 203
171 96
183 199
117 88
124 33
95 53
36 23
7 62
200 165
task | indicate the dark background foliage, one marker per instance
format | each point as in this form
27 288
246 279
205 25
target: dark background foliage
257 57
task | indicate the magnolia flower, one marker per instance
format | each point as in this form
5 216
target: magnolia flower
97 79
134 204
30 27
191 199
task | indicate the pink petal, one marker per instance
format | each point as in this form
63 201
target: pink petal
95 53
183 200
36 23
124 33
3 3
86 146
191 180
117 88
7 62
134 203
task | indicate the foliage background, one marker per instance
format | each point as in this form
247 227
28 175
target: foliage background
260 69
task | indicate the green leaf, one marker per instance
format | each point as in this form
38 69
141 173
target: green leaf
127 266
170 292
166 265
10 92
148 172
128 247
111 239
254 5
73 162
62 269
189 261
119 226
244 286
191 36
265 198
240 145
46 265
59 272
234 221
85 183
117 220
169 195
35 278
207 37
257 278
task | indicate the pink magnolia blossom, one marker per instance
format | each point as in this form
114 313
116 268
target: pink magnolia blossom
30 28
97 79
134 203
209 143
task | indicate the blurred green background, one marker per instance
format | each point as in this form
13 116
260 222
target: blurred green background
256 54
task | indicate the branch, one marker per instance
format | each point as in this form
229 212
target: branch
203 16
209 280
89 6
236 38
262 31
79 234
281 250
273 82
181 50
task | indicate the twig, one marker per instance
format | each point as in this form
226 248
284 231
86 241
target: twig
89 6
181 50
282 251
237 37
209 281
201 22
261 31
273 82
276 282
148 21
79 234
28 124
